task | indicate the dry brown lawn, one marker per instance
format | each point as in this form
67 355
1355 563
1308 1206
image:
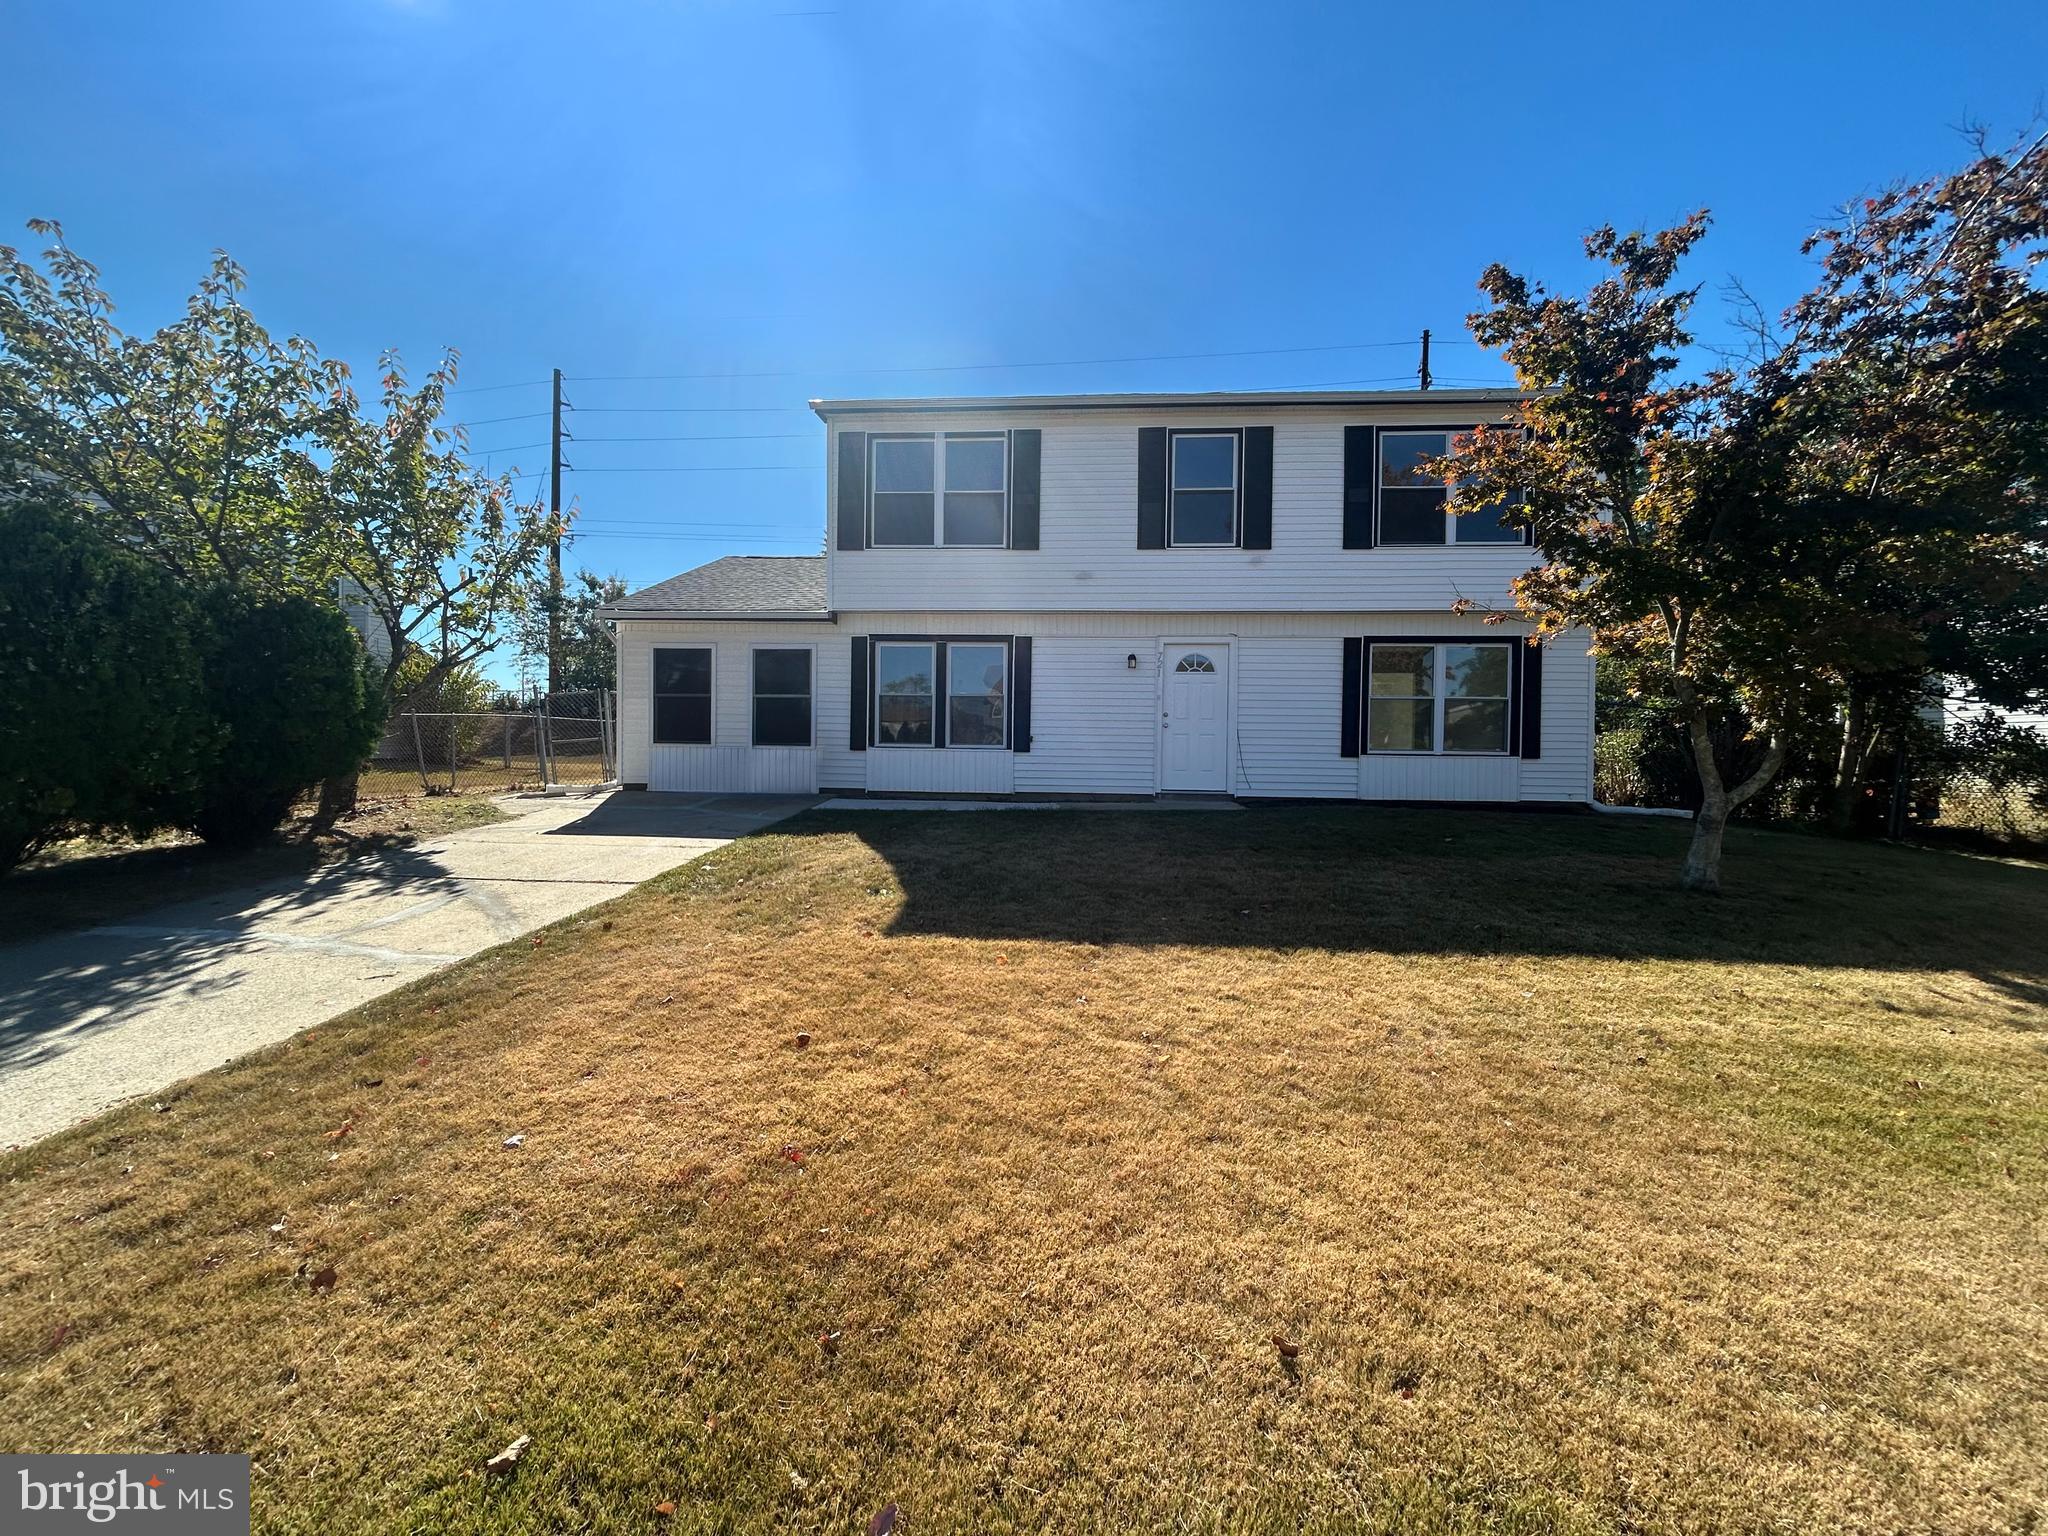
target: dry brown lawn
1589 1206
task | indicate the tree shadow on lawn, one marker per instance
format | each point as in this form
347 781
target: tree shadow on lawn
1432 882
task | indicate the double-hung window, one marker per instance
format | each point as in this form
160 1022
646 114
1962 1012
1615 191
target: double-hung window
1202 488
975 675
682 695
1412 501
950 488
782 696
948 693
906 684
1440 697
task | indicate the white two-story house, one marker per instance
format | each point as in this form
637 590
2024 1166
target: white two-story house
1118 595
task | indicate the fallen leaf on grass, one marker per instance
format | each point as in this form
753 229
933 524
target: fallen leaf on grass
665 1508
59 1334
501 1465
884 1521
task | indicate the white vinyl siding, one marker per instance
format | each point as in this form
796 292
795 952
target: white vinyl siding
1095 718
1088 560
729 763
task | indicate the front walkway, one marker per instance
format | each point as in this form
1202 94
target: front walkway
90 1018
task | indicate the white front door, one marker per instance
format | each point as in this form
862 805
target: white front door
1194 724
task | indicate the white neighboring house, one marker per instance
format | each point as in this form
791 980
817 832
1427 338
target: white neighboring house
1122 595
355 604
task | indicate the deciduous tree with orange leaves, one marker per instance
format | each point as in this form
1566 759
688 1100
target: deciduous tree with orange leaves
1809 533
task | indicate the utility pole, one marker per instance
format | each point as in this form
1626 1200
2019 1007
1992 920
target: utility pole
555 545
1422 372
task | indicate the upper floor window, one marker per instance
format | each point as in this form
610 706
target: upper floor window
1412 501
947 488
1202 501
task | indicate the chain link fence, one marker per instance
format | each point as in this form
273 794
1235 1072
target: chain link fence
566 739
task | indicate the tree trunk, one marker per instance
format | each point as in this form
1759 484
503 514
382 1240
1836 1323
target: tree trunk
1858 739
337 799
1702 868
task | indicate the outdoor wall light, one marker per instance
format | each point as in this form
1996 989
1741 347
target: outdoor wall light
1131 661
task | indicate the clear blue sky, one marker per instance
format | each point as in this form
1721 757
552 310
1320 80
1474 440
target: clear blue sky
808 189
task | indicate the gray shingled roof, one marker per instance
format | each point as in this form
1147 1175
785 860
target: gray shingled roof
751 584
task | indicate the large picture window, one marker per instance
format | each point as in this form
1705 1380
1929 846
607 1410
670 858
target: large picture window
951 488
1440 697
1413 501
944 693
1202 504
682 695
782 696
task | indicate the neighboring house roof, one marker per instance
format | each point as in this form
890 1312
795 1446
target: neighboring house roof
1261 399
737 587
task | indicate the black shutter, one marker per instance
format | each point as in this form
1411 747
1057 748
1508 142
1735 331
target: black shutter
1024 488
853 490
1151 487
939 694
1532 700
857 713
1020 694
1258 487
1354 689
1360 469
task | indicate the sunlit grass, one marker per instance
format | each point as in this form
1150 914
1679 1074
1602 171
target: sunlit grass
1589 1206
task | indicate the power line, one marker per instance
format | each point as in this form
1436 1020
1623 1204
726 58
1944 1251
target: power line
682 410
485 389
807 541
707 437
1071 362
673 469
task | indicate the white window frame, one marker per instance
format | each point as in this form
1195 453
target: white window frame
1002 741
1002 538
942 701
753 694
1236 439
1439 697
710 699
875 696
1451 519
938 442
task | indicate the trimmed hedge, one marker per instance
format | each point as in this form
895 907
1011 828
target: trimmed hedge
134 702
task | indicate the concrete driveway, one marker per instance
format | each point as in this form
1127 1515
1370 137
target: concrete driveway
90 1018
